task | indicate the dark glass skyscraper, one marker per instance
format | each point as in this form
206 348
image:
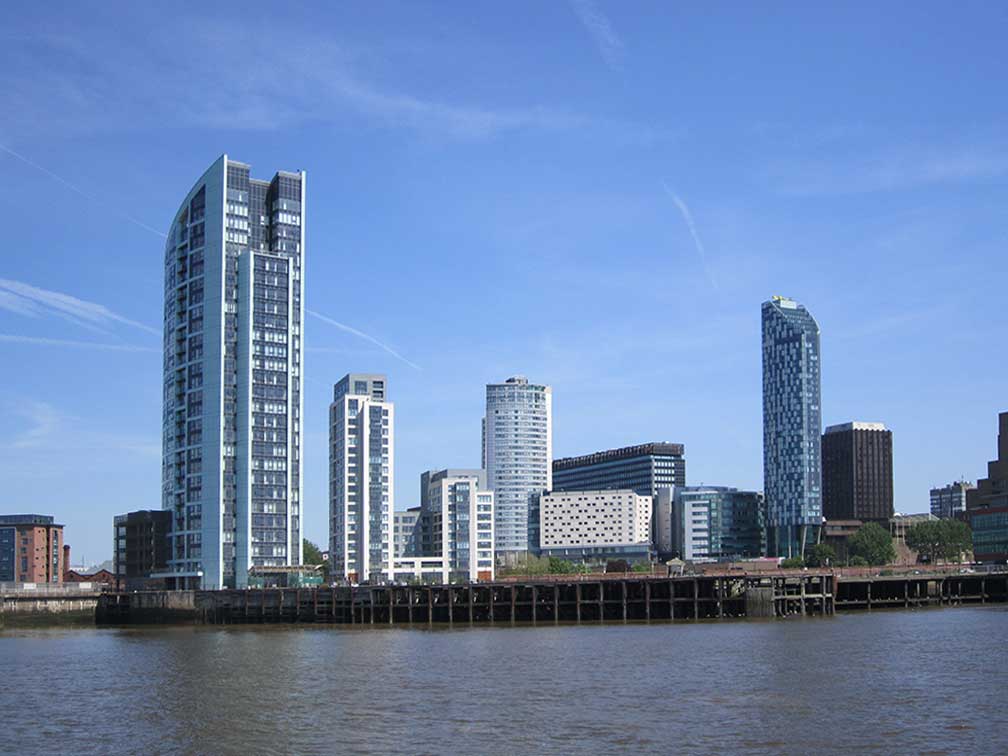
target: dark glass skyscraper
792 427
233 319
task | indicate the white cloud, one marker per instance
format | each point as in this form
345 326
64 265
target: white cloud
609 45
902 168
43 421
246 81
25 299
12 338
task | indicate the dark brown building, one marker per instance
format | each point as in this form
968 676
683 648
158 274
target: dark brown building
987 504
141 546
857 472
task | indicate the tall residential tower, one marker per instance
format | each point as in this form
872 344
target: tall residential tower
517 457
361 471
792 427
233 319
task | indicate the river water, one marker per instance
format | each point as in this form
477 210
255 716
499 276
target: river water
929 681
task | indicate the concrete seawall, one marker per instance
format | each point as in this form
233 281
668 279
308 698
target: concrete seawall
26 609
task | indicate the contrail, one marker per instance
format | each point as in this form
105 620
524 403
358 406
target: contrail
17 293
364 336
16 339
81 192
688 217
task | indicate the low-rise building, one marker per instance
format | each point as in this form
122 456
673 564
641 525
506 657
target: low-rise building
457 521
142 547
949 502
31 549
718 523
405 532
593 525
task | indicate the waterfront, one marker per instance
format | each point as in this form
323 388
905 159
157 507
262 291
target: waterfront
885 682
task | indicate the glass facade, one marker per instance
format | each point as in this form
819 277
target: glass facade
644 469
231 468
718 524
792 426
517 456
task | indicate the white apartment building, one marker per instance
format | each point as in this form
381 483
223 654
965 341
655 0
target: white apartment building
232 404
459 513
517 457
582 519
361 471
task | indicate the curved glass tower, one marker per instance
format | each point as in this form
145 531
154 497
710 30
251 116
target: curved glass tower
233 319
792 427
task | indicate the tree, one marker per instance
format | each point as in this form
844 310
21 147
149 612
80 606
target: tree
312 553
558 566
820 555
857 561
792 563
937 540
959 540
642 567
873 543
617 565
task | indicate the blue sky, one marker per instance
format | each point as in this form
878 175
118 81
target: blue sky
598 195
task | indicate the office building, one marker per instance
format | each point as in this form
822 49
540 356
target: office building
458 513
233 320
405 535
792 426
361 471
644 468
987 504
949 502
593 525
142 545
857 472
517 457
31 549
717 523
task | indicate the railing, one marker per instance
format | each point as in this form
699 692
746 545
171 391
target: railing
52 589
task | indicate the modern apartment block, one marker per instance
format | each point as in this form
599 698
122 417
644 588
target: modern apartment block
949 502
644 468
361 471
716 523
31 549
593 525
987 504
233 323
458 511
405 535
857 472
517 455
792 426
142 544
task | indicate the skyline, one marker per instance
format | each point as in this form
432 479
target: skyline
616 250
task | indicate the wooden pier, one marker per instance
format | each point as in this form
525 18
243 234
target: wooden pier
912 591
629 599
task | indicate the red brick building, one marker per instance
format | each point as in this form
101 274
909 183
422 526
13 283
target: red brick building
31 549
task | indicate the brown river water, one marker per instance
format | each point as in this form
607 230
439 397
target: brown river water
928 681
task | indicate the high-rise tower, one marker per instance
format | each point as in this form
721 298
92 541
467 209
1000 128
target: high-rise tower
517 456
233 320
792 427
361 475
